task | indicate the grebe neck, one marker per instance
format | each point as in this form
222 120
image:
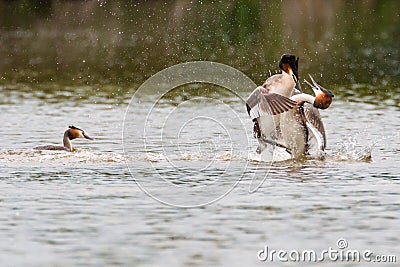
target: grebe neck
67 141
301 98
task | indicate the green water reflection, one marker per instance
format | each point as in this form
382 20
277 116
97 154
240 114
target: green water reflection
354 45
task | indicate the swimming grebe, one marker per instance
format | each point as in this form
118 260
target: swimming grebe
303 123
266 102
70 134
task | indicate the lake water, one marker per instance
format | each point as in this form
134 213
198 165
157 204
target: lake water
170 181
86 208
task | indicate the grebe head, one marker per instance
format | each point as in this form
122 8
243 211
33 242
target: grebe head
323 97
290 65
75 132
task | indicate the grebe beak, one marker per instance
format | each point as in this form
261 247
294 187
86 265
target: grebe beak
296 80
318 88
295 74
323 97
87 136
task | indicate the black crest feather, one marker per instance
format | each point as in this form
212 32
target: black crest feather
73 127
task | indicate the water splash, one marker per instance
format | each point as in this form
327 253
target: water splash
270 154
351 149
53 157
18 156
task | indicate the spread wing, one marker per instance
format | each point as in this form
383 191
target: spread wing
314 118
261 101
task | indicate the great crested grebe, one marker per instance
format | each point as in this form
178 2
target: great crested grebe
70 134
300 124
272 99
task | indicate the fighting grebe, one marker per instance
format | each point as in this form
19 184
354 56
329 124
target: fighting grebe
266 102
70 134
303 122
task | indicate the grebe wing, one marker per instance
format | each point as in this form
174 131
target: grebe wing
261 101
314 118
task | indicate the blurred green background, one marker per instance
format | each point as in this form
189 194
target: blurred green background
349 45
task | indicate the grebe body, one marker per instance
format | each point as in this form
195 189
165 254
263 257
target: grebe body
267 102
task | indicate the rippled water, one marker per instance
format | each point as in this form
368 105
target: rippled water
87 207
